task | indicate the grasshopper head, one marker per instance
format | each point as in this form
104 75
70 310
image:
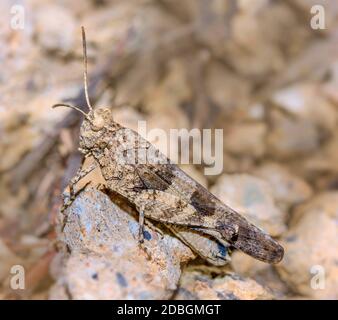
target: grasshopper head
94 128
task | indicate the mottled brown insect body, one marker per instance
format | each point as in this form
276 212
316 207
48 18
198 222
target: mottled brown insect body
161 191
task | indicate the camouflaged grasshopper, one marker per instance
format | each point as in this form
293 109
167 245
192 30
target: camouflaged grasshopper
161 191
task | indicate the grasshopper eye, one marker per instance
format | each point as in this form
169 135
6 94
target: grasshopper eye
98 123
106 114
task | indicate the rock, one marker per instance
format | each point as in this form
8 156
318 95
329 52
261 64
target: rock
16 45
132 88
287 188
246 139
213 23
291 137
325 202
249 43
329 88
253 198
324 161
225 88
256 112
198 286
50 36
105 260
11 204
173 90
7 260
163 102
15 129
185 10
263 273
310 264
281 27
306 102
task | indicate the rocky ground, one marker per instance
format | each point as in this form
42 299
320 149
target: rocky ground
257 70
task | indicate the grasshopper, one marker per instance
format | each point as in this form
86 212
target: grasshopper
161 191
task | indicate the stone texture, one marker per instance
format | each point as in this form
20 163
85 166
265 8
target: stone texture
197 286
105 260
291 137
287 188
306 102
263 273
51 37
310 262
246 139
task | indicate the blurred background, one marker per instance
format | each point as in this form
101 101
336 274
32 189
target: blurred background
259 70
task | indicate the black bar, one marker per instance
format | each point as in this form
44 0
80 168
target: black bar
101 310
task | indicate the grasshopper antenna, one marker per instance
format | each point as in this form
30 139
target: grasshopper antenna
70 106
84 44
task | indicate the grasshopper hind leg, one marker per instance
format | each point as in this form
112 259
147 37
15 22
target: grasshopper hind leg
140 239
141 226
